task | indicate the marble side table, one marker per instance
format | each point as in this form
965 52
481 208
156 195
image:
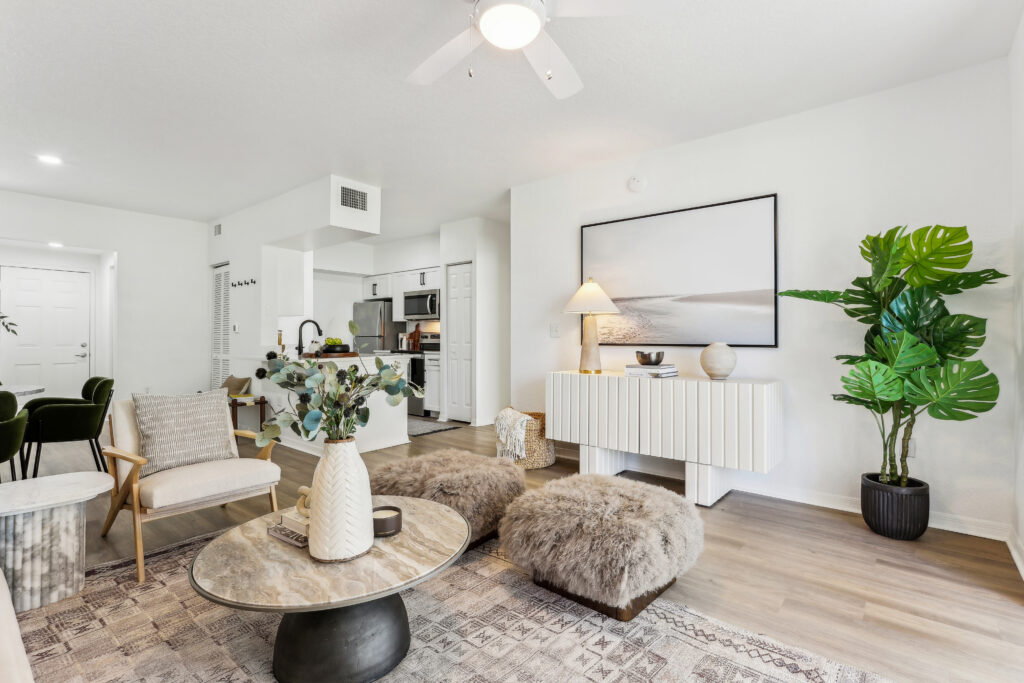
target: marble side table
342 621
42 535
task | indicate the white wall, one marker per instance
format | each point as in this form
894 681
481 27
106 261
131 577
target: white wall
334 294
930 152
407 254
163 284
1016 62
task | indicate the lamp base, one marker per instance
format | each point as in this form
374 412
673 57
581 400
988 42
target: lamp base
590 354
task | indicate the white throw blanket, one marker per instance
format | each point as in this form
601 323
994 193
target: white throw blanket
510 427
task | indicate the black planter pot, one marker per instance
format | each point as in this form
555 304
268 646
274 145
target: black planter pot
894 511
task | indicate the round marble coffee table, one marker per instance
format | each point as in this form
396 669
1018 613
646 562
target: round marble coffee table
343 621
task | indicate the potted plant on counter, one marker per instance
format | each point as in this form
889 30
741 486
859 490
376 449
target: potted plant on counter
332 400
914 360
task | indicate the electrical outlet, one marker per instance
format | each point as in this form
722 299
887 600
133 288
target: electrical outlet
912 448
553 331
234 327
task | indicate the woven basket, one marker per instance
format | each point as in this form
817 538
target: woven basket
539 451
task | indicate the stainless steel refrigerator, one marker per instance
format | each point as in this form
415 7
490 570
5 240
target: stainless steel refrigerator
377 331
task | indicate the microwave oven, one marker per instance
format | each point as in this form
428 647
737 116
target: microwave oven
423 305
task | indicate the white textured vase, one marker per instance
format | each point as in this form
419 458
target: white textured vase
718 360
338 505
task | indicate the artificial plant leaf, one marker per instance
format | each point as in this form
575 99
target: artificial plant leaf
860 302
890 237
851 359
957 390
353 328
885 254
313 381
827 296
269 433
934 253
316 401
395 399
363 416
914 310
873 381
284 419
958 336
379 362
958 282
874 406
311 422
904 353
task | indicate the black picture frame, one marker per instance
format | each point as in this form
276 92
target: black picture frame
775 265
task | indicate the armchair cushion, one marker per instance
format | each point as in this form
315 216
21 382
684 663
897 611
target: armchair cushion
182 430
205 480
124 433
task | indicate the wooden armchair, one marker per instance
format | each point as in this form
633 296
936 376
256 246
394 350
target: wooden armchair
181 489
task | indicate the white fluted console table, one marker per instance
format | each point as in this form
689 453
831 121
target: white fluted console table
42 535
711 425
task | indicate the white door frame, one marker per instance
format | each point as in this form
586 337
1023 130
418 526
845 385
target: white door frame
442 415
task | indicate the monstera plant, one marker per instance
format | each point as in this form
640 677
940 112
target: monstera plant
918 357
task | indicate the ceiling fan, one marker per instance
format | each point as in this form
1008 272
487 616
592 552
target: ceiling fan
519 25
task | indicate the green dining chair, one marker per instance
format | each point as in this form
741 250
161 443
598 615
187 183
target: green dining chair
53 420
12 429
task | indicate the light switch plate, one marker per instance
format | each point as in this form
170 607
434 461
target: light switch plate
553 331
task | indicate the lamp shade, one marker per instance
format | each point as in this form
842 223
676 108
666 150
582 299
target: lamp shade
590 299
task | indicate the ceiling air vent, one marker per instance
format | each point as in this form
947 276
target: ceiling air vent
353 199
216 230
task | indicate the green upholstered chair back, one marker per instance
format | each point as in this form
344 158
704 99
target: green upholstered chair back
8 405
90 387
12 426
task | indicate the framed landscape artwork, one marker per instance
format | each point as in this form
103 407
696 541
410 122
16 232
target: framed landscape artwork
688 277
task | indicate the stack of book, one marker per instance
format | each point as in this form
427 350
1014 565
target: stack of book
666 370
293 529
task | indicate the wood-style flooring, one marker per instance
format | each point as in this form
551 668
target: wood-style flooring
946 607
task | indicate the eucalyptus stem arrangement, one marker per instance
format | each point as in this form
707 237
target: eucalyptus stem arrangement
332 400
7 325
915 355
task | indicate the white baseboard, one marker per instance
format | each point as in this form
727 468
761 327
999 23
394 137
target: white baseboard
972 526
1016 546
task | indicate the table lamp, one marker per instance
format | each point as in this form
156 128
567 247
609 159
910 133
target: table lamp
590 300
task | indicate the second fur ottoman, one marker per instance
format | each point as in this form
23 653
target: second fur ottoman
479 488
609 543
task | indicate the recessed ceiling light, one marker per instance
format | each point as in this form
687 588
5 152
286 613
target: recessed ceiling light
50 159
55 245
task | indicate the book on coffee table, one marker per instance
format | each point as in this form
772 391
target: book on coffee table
283 533
296 522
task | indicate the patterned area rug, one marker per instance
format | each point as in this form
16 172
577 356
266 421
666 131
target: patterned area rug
421 426
481 620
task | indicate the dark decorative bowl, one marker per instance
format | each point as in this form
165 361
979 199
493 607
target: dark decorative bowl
335 348
650 357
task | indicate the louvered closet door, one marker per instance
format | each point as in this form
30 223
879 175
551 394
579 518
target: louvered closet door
220 365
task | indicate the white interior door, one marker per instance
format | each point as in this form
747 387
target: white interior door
459 316
220 362
53 312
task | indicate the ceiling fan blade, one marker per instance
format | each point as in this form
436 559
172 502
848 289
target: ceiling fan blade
553 67
445 59
611 8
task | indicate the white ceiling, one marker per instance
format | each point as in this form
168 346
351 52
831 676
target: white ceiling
196 108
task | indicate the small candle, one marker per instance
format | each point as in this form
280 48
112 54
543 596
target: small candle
384 514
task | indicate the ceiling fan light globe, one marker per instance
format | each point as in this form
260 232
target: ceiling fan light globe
510 24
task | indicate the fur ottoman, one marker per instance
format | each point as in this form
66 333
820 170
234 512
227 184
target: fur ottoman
609 543
479 488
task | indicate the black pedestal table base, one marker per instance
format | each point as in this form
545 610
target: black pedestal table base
355 643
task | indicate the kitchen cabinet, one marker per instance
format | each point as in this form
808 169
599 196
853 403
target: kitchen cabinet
377 287
428 278
432 382
400 284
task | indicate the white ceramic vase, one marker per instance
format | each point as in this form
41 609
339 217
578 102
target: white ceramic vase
718 360
338 505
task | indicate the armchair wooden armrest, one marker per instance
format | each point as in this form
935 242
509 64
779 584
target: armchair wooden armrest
131 458
264 453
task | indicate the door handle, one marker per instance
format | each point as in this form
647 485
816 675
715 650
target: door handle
81 355
423 279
